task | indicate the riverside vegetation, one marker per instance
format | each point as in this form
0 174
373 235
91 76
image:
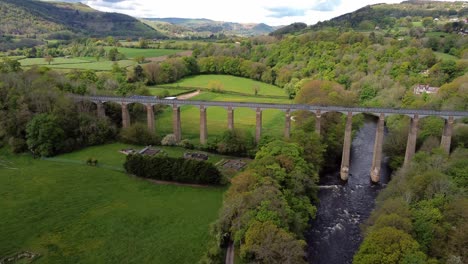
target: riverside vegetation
369 62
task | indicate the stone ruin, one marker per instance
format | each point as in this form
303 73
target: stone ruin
195 156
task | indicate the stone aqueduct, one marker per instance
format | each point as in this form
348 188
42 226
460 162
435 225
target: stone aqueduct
414 114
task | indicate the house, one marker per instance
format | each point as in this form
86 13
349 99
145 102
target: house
425 88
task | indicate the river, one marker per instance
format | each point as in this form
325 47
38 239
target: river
335 235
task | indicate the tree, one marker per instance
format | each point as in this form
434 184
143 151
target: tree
9 65
49 59
142 43
45 135
266 243
389 246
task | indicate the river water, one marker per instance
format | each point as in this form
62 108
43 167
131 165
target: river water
335 236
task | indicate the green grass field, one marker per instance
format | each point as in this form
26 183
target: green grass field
56 61
230 84
445 56
76 63
159 91
244 118
147 53
109 155
71 213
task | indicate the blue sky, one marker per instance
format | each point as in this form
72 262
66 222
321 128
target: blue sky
271 12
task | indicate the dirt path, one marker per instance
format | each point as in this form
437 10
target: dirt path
189 95
230 253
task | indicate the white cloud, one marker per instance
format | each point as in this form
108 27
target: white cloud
272 12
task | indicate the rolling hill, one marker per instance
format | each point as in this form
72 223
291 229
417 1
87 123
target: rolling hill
37 19
185 27
385 15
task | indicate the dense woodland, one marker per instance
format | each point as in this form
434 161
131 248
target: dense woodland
358 59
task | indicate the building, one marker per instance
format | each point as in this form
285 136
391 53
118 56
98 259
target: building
425 88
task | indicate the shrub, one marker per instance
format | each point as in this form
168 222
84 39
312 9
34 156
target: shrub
186 144
139 134
169 140
173 169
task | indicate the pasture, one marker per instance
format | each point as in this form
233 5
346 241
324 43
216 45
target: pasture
72 213
227 83
132 53
108 155
445 56
244 118
76 63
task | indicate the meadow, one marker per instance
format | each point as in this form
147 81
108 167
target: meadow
109 156
132 53
76 63
89 63
73 213
161 91
230 84
244 118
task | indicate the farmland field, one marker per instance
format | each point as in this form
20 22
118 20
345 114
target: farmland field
244 118
230 84
159 91
77 63
445 56
72 213
147 53
109 156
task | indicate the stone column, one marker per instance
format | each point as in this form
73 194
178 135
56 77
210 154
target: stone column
258 128
287 126
203 130
318 116
377 157
101 112
150 118
125 116
447 135
176 122
411 143
344 171
230 117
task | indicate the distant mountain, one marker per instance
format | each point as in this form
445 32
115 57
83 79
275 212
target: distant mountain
201 27
384 15
34 19
293 28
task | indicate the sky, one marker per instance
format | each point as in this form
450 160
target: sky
271 12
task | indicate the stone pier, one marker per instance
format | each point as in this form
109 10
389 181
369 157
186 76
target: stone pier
150 118
447 135
287 126
412 137
344 171
203 128
125 116
377 157
176 122
230 117
318 116
258 127
101 112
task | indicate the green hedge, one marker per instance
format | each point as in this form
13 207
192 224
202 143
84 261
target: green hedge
173 169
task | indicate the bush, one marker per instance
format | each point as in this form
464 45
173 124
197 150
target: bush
173 169
17 145
169 140
234 142
138 134
186 144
